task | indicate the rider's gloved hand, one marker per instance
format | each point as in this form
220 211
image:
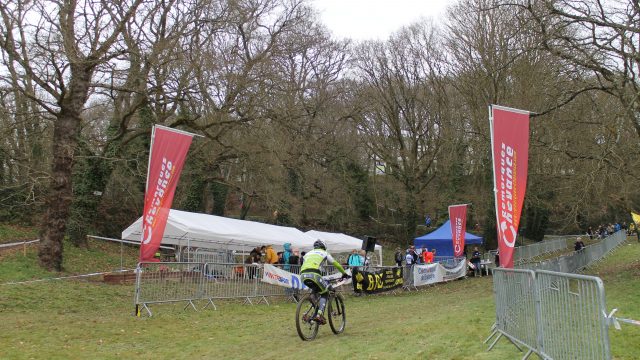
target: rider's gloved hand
346 276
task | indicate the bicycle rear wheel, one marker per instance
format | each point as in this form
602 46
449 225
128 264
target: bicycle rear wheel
337 316
305 311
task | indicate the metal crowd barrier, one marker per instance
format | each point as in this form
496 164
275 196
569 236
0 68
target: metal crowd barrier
573 318
533 251
169 282
578 260
516 308
555 315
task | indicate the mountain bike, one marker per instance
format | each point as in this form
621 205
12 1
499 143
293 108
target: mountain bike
307 309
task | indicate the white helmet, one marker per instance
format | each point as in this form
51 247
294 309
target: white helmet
319 244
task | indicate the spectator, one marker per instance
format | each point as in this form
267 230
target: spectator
366 260
590 233
251 261
270 255
263 254
255 253
398 257
427 256
427 221
433 251
302 257
424 256
286 255
475 260
414 254
409 258
355 259
578 245
497 258
294 260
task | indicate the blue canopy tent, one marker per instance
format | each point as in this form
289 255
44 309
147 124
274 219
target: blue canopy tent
442 240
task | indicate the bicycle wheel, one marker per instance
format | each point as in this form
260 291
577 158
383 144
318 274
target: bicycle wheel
306 326
337 316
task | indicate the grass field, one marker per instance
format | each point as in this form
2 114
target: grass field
66 319
15 233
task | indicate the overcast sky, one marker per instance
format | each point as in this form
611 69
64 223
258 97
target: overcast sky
375 19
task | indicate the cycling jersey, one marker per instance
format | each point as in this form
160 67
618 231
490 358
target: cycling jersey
316 258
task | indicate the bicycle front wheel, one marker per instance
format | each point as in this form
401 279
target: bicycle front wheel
305 324
337 315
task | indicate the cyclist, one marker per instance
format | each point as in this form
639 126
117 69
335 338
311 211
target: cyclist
312 277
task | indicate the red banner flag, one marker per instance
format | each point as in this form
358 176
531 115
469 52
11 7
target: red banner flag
458 220
168 151
510 145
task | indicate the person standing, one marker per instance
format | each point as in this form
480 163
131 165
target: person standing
294 261
355 259
285 256
271 257
427 257
427 221
475 260
409 258
398 257
414 254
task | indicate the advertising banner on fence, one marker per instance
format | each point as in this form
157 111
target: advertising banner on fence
377 281
458 271
168 151
510 150
427 274
458 220
277 276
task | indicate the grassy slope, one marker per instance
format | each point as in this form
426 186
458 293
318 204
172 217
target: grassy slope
78 320
14 233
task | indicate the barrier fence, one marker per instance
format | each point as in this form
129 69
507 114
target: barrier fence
573 318
530 252
555 315
170 282
578 260
516 310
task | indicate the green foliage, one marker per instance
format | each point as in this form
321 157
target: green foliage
359 186
220 192
194 197
536 220
294 182
489 232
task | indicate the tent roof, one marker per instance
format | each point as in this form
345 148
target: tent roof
210 231
443 233
337 242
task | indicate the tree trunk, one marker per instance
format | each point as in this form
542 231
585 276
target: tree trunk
65 141
58 201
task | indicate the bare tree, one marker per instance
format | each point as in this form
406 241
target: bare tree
58 46
405 109
597 37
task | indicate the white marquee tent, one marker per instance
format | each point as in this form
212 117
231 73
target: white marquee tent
186 229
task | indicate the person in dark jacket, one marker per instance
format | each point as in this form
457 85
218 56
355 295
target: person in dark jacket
476 257
398 257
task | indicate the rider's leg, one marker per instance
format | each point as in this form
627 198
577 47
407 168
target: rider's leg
323 302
